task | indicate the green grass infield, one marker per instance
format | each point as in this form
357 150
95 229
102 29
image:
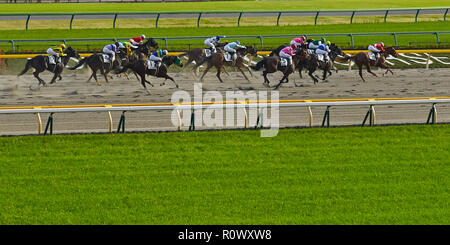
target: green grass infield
353 175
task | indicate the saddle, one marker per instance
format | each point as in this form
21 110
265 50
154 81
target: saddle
321 57
208 52
284 62
52 60
372 56
228 57
153 65
106 58
311 51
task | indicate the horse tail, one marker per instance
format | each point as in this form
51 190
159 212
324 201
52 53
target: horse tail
27 67
351 57
259 65
82 61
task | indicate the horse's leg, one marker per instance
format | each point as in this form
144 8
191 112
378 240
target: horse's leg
36 75
360 73
281 81
94 74
54 78
311 73
218 74
204 73
266 80
370 71
243 74
167 77
104 74
143 81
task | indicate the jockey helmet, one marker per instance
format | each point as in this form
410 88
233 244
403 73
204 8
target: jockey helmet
143 36
237 42
63 46
323 40
381 44
165 52
303 38
218 37
117 44
294 46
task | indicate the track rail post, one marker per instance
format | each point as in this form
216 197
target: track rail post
157 20
432 115
192 126
239 19
49 124
259 119
71 21
351 18
315 18
39 121
26 23
310 116
278 18
326 117
371 115
114 21
121 126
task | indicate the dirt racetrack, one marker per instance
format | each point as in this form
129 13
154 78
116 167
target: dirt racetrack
74 90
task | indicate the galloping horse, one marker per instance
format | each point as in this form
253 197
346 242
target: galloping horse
97 62
199 56
273 64
218 60
141 68
313 63
41 63
362 58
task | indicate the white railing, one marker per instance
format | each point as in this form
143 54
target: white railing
432 116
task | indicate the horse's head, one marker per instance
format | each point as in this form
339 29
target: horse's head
72 52
151 43
301 53
391 51
334 48
169 60
251 50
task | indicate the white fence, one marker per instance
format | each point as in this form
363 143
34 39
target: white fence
243 105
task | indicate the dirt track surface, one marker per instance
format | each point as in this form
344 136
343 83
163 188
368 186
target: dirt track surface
74 90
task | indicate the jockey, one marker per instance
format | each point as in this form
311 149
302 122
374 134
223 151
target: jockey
376 48
127 46
287 53
111 50
298 41
324 49
211 42
158 55
57 51
137 40
230 47
315 44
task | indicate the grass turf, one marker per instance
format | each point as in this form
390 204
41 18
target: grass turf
379 175
360 42
218 5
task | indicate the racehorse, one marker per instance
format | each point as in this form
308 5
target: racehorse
141 68
313 63
41 63
218 60
199 56
362 59
97 62
273 64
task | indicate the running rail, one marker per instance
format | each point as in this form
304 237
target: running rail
371 103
